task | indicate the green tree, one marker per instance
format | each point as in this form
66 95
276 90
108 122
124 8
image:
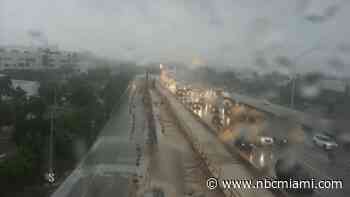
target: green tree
19 93
36 106
6 88
82 94
19 170
7 113
47 91
99 73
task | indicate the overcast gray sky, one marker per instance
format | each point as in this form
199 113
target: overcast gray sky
216 32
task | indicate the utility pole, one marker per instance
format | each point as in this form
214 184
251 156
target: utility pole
292 92
296 58
51 175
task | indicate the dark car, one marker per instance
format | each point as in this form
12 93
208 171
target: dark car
243 144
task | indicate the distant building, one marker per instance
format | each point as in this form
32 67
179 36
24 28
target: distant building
32 58
31 88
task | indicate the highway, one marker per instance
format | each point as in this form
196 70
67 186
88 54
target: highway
280 123
284 112
124 161
221 163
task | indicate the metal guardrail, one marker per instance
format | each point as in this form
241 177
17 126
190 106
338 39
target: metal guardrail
152 133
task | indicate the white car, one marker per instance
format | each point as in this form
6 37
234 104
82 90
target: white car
266 102
325 142
266 141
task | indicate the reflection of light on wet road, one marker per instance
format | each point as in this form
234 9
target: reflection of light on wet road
262 160
228 135
200 113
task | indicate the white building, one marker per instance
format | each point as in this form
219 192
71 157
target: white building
15 58
31 88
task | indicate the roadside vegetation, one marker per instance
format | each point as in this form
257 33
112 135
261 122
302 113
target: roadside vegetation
82 103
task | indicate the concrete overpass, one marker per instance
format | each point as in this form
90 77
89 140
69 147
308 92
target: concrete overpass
305 120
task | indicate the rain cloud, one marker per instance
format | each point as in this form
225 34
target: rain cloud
224 33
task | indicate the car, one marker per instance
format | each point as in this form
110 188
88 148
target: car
266 102
216 121
282 142
243 144
196 106
324 141
214 110
266 141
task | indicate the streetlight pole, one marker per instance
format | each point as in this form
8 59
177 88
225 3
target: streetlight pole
51 175
294 75
292 92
